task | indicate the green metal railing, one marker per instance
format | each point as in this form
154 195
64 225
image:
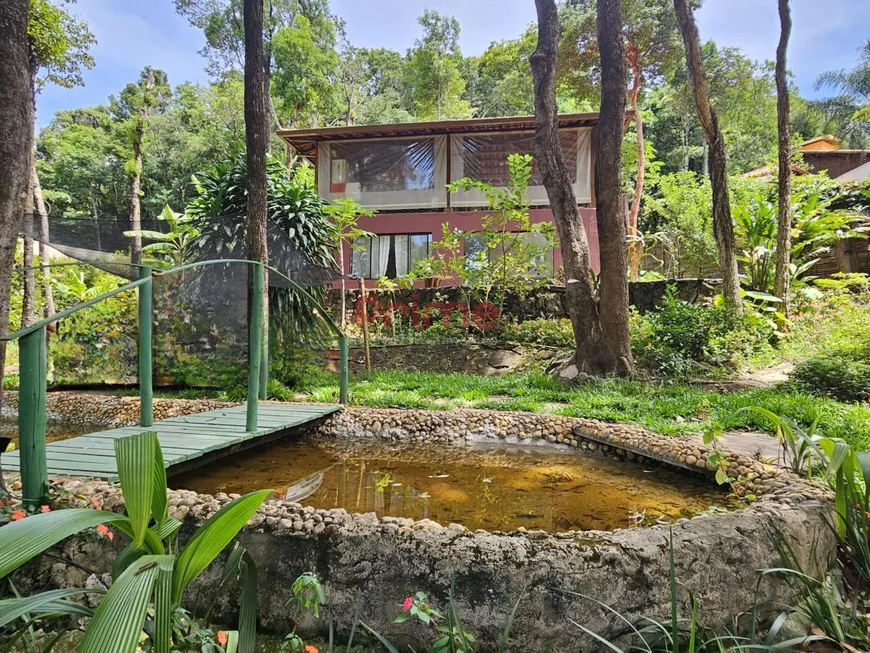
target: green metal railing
33 365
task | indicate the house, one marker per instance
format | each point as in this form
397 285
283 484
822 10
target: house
402 170
823 154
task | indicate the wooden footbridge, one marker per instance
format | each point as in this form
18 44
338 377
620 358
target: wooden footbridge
186 441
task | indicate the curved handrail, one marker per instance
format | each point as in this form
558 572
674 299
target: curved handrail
135 284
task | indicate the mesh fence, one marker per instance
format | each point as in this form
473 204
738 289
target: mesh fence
200 313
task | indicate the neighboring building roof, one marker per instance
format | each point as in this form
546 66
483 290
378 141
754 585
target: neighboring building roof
767 173
820 143
860 173
304 141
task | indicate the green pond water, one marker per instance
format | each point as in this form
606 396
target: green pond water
494 488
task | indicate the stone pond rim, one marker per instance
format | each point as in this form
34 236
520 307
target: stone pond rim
376 563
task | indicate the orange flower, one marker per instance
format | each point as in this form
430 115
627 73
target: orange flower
310 648
45 509
222 638
102 529
95 502
18 515
110 535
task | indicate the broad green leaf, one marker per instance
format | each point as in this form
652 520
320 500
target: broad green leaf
159 502
248 605
212 538
135 459
163 607
22 540
12 609
117 624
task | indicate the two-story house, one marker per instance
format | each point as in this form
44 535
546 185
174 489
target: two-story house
402 170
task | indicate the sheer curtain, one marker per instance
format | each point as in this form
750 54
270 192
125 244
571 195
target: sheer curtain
384 259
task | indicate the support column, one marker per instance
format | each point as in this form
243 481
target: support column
255 343
31 417
146 390
343 364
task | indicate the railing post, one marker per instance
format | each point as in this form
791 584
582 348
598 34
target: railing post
264 356
146 390
31 417
255 344
343 356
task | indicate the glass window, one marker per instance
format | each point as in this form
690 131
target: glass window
385 173
389 255
477 253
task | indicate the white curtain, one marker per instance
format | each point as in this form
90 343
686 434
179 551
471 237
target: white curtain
384 252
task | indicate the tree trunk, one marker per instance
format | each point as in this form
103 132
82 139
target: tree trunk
635 245
256 131
783 230
39 205
135 207
16 137
723 227
28 277
594 353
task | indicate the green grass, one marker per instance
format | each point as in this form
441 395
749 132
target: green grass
669 408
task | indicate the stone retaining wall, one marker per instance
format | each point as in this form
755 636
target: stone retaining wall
369 565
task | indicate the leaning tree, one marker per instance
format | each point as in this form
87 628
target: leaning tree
599 319
723 227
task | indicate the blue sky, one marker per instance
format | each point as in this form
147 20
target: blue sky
134 33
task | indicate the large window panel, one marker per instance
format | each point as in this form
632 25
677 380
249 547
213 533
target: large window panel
484 157
477 253
388 255
385 173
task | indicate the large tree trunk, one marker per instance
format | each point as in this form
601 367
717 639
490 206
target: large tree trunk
256 130
783 231
16 136
135 207
601 338
28 277
723 228
635 245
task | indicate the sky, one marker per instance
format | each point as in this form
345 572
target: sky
132 34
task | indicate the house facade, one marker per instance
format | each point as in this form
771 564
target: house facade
401 171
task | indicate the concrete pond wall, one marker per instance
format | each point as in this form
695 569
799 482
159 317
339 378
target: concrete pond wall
368 565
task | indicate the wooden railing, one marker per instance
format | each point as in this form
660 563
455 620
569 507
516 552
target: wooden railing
33 365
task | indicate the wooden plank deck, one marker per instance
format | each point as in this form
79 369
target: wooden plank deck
187 441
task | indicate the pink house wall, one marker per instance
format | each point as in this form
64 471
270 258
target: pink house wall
430 223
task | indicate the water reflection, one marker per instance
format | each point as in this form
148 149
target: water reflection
495 489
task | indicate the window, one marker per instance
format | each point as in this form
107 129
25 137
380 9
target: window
477 253
484 157
389 256
397 173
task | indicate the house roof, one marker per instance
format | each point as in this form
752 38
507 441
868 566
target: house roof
825 142
304 141
767 173
860 173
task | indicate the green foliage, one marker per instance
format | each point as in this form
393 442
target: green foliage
511 251
679 338
308 593
841 375
546 332
848 112
172 248
60 45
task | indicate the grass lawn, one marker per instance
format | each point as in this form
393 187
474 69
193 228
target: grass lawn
670 408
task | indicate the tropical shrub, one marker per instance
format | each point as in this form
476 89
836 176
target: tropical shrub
150 574
679 338
841 375
549 333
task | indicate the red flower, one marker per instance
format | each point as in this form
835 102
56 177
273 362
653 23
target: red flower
102 529
222 638
45 509
18 515
407 604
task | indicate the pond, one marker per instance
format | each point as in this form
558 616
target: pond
502 488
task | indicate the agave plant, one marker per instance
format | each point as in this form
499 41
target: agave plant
151 573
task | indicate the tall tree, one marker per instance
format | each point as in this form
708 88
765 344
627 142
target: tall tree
723 227
16 136
783 231
652 48
256 131
849 110
434 69
135 105
600 325
59 52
